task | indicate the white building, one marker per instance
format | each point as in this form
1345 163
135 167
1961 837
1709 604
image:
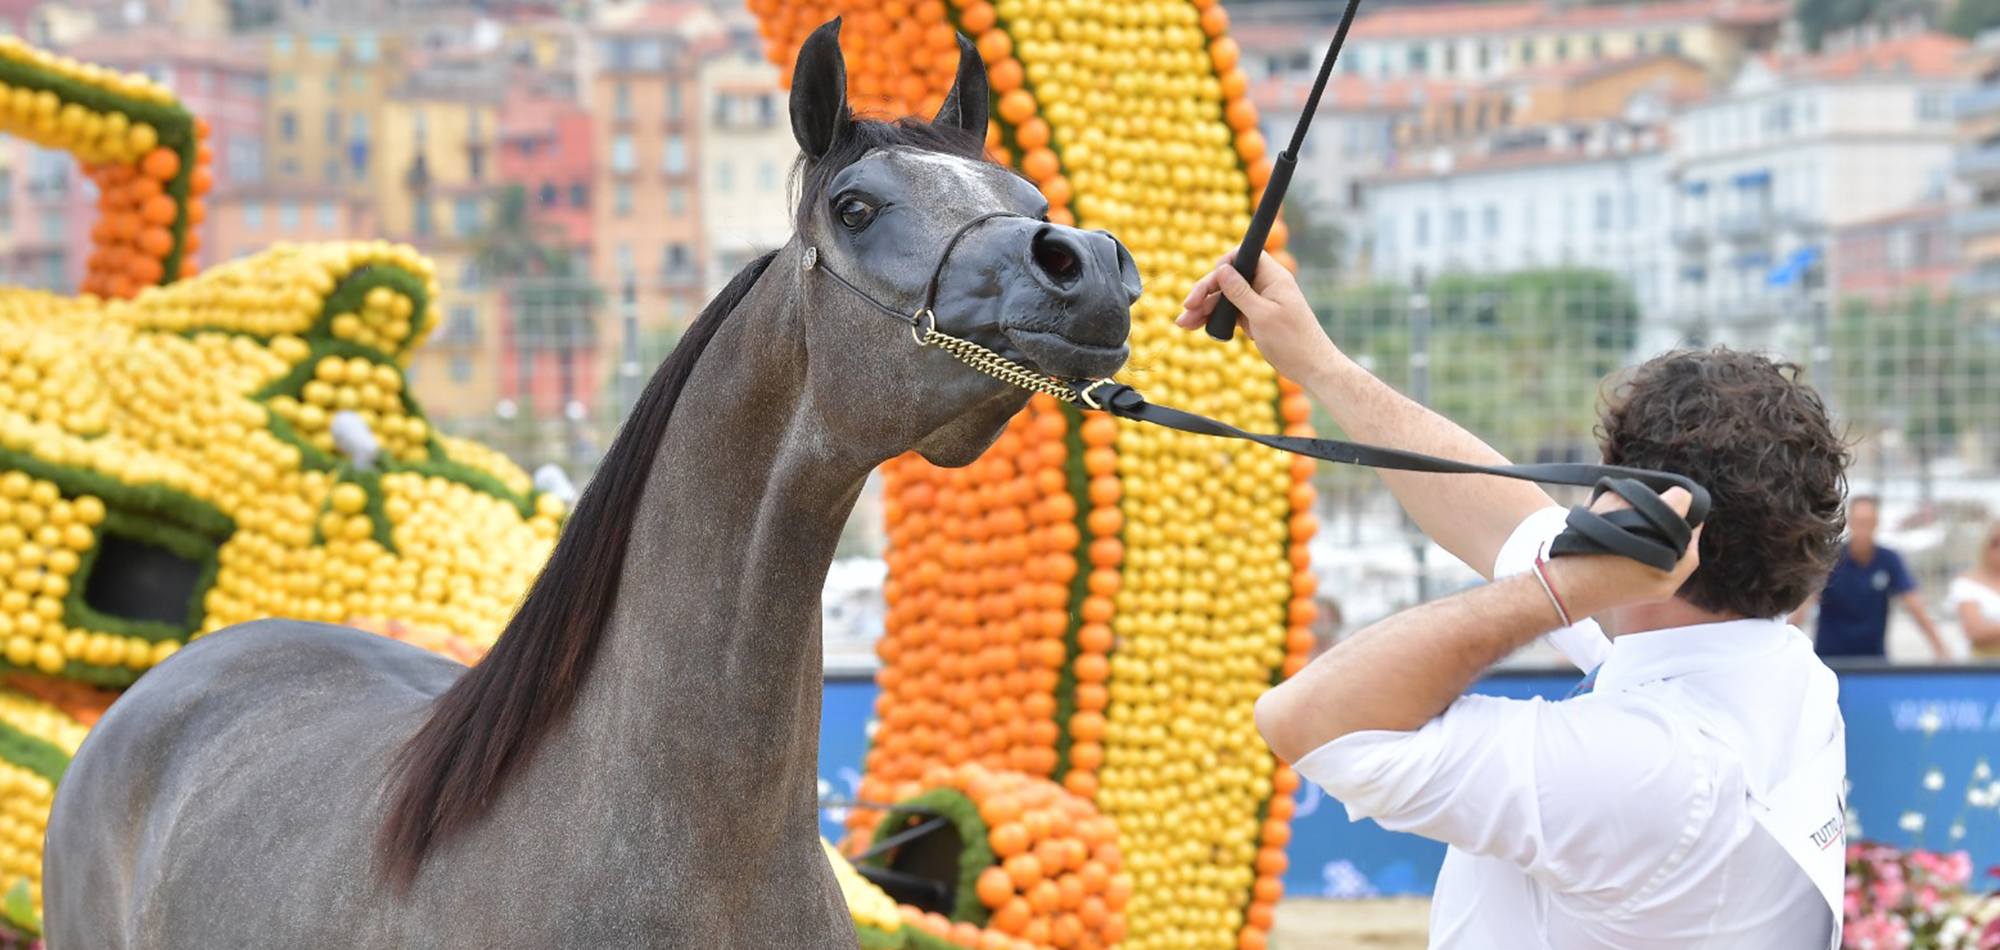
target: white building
747 154
1593 196
1483 41
1794 149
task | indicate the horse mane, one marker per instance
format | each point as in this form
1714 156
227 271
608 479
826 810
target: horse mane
494 717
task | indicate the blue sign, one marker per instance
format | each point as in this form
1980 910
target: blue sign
1923 757
1793 269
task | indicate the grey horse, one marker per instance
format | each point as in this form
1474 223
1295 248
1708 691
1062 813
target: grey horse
633 764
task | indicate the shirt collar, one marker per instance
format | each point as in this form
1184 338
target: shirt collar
1640 658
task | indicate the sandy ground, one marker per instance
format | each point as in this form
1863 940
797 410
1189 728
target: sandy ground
1308 924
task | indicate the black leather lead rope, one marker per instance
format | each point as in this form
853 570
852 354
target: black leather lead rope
1650 532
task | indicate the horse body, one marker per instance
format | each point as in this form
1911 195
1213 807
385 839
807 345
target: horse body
634 762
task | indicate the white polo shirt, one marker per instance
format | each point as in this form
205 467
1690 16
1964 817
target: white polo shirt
1691 801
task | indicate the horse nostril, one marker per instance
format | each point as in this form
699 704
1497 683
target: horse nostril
1057 258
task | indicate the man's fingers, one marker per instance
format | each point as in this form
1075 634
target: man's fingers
1239 290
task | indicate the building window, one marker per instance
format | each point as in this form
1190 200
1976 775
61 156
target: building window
475 160
675 160
1562 48
357 82
421 221
287 84
677 200
329 216
676 111
357 125
333 125
1932 106
330 172
1420 56
420 126
1490 221
1455 225
1639 42
288 216
1422 230
621 199
623 258
1671 42
767 176
288 125
366 49
1604 213
621 102
674 260
1450 59
579 195
288 167
243 159
461 369
324 44
281 44
648 55
54 225
465 216
1596 46
725 176
623 157
1527 52
469 277
551 195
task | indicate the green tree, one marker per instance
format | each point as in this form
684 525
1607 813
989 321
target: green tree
1973 17
1927 368
1519 359
1317 239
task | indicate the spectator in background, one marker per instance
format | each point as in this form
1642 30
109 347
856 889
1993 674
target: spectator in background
1854 606
1975 596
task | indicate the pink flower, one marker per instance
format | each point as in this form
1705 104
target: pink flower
1888 893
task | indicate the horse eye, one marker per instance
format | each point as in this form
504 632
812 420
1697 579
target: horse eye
856 214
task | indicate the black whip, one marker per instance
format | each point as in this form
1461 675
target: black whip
1222 323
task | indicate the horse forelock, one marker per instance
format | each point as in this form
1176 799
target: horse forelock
493 718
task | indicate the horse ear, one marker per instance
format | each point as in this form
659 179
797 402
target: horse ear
819 92
968 103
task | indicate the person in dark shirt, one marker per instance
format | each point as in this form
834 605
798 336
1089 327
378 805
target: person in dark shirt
1854 607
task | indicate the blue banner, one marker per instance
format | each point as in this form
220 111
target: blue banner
1923 746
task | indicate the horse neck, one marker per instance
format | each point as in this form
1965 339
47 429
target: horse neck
709 677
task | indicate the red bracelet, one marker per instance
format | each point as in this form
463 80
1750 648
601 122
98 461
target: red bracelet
1542 573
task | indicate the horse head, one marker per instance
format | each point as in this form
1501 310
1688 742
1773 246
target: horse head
910 219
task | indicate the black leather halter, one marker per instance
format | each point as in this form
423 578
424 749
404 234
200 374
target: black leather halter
1649 532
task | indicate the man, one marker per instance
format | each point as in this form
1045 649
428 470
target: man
1854 607
1691 798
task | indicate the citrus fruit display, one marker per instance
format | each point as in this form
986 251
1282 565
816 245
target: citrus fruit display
146 154
1080 622
170 453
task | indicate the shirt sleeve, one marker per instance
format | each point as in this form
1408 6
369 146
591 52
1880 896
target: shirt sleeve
1599 796
1582 643
1900 580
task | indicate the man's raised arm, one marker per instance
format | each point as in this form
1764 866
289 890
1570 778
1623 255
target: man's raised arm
1469 515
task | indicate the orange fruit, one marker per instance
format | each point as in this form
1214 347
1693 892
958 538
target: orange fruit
161 163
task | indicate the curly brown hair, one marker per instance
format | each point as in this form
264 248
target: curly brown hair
1760 440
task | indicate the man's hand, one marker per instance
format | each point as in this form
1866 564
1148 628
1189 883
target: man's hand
1274 313
1590 585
